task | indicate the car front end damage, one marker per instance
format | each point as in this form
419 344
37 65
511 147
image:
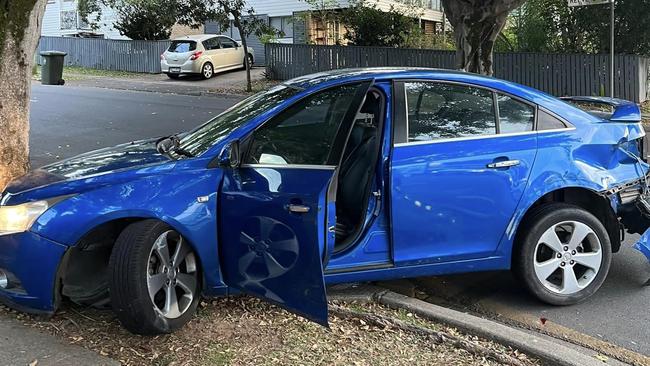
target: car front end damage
631 202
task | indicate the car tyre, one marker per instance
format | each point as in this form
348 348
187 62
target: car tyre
207 70
150 294
547 254
173 76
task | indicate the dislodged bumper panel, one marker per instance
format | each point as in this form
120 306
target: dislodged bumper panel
30 263
643 245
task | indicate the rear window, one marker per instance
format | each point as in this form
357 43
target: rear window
182 46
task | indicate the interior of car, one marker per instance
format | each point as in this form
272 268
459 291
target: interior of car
358 169
315 131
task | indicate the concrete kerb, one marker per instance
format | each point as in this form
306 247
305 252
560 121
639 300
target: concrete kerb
548 351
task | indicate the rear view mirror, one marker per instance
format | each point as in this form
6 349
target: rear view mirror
229 156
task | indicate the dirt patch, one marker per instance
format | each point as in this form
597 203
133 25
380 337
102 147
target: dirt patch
244 331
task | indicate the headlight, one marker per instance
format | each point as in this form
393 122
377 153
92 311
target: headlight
20 218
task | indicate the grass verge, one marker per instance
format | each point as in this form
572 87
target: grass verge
246 331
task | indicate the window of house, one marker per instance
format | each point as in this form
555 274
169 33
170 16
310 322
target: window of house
442 111
305 132
514 115
68 20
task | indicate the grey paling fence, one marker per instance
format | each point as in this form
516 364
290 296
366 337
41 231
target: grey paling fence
557 74
107 54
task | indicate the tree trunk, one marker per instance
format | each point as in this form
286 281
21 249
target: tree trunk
243 33
20 29
477 24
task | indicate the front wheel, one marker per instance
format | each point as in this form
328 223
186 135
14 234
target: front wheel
154 278
563 254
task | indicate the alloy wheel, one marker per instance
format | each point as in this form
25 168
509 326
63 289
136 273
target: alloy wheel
568 257
172 275
207 71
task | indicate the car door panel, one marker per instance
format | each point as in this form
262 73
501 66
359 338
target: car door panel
268 250
456 182
448 204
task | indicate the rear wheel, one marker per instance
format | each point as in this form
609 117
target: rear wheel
207 71
154 278
563 254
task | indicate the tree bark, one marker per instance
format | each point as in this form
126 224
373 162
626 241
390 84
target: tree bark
477 24
20 29
243 35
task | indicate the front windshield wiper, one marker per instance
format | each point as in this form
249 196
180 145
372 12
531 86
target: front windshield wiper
172 144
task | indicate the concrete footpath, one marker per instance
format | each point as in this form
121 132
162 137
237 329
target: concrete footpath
21 345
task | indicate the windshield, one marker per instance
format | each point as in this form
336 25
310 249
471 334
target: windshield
202 138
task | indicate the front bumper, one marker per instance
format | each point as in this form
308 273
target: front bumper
31 263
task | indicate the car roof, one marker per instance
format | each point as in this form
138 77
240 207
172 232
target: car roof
329 78
196 37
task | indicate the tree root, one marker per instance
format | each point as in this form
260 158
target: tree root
435 336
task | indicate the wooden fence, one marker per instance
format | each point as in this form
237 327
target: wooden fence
557 74
107 54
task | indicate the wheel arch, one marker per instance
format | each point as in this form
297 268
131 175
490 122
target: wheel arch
588 199
81 273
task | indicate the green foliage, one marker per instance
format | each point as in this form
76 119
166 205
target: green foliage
150 19
551 26
369 26
14 18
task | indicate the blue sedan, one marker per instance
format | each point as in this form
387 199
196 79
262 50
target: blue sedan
352 175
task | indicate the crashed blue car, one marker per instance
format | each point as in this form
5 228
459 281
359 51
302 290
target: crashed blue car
345 176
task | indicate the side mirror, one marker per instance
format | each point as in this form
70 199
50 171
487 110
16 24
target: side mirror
229 156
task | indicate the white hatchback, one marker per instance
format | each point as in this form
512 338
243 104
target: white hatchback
203 54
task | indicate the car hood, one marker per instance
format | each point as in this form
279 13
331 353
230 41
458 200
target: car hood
118 158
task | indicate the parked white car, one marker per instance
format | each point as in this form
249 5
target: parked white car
203 54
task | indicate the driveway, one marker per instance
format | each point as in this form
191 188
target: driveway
225 82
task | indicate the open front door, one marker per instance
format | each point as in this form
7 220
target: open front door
270 244
274 209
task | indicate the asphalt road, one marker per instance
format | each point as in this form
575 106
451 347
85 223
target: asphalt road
69 120
66 121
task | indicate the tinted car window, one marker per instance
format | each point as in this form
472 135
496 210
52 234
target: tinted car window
182 46
226 42
305 132
546 121
514 116
202 138
211 44
439 111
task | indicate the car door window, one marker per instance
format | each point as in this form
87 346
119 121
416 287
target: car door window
211 44
441 111
305 132
226 42
514 115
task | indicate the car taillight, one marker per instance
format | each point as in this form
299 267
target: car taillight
162 56
196 55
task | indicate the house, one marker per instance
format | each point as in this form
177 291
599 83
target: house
62 19
292 18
